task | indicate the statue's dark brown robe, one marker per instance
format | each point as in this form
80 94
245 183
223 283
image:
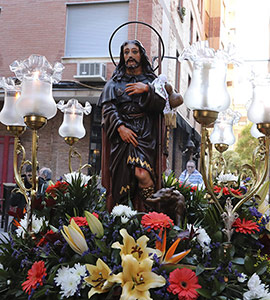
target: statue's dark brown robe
140 113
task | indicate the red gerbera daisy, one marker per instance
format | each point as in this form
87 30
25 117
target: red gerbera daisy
184 282
35 276
156 221
245 226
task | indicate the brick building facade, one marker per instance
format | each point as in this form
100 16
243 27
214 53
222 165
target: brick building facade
61 30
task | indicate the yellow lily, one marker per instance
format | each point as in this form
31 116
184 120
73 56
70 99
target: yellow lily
95 225
137 278
75 237
170 257
137 249
99 278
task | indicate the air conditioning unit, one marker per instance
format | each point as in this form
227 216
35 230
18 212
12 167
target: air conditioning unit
91 72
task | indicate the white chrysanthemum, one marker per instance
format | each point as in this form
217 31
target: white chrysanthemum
61 275
79 270
242 278
69 286
1 267
75 175
257 290
123 210
124 219
227 177
37 223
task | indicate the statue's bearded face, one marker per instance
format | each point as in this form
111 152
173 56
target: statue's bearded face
132 56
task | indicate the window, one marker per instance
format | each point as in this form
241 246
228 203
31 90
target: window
89 28
191 30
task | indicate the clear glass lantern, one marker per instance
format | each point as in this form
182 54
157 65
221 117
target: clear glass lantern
37 76
208 90
72 125
223 127
259 109
9 115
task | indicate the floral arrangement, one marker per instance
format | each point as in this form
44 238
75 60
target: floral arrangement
78 250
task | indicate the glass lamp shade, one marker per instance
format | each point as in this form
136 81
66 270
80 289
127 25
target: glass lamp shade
37 76
72 125
207 89
9 115
223 128
255 132
259 109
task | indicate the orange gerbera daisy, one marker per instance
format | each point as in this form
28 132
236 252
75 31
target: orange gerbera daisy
184 282
155 221
35 276
246 226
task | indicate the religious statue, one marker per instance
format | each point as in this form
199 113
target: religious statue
131 106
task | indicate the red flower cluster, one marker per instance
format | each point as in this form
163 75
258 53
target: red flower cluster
35 276
61 186
246 227
194 188
155 221
50 236
226 192
80 221
184 282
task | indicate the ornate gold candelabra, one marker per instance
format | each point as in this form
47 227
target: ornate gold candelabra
34 106
208 97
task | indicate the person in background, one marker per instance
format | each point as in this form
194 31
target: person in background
17 199
44 180
191 175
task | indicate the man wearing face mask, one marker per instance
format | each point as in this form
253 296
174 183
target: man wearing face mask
130 110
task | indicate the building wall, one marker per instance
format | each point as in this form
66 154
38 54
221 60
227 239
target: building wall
39 27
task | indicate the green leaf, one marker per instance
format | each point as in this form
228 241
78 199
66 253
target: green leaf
205 293
200 268
103 246
249 264
263 266
238 260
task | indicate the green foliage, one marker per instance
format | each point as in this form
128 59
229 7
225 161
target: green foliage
246 145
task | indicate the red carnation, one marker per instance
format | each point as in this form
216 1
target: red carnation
61 186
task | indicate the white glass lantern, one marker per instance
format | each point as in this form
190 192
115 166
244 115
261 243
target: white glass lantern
223 128
259 109
207 89
37 76
9 115
255 132
72 125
